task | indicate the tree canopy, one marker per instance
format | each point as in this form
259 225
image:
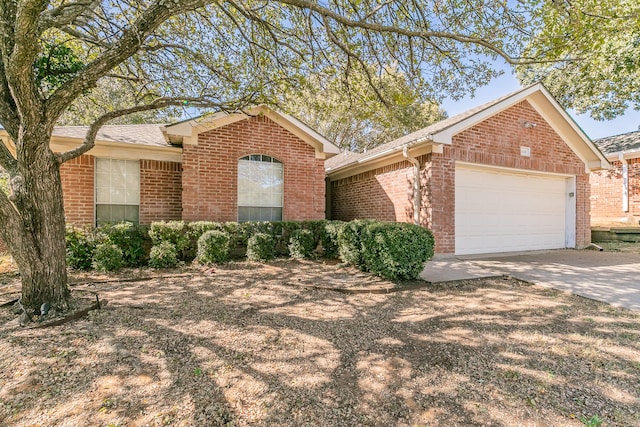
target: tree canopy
590 52
353 116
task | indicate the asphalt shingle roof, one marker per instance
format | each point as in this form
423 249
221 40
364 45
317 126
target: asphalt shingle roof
617 143
144 134
348 157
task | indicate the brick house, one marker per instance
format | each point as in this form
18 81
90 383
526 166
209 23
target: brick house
263 165
615 193
510 175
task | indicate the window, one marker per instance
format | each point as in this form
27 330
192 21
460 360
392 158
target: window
259 188
117 191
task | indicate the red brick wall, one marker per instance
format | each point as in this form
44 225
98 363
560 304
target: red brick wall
78 190
160 191
497 141
383 194
210 171
606 193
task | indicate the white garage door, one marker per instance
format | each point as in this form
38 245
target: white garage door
504 211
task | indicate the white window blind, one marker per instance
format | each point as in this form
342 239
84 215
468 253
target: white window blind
260 188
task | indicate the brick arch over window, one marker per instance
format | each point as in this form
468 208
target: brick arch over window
260 188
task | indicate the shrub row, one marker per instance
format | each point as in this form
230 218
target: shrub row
107 248
391 250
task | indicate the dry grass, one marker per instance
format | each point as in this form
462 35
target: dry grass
251 344
617 246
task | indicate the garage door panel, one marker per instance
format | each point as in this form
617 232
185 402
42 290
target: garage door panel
498 211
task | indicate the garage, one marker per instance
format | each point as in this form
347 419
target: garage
505 210
510 175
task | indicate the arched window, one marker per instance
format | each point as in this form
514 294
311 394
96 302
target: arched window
260 188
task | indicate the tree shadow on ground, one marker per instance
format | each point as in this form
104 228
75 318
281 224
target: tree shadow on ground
248 347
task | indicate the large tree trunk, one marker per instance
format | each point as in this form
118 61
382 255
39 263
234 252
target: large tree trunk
36 238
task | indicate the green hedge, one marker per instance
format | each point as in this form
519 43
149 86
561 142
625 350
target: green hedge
131 239
260 247
80 248
107 257
396 250
302 243
349 236
389 249
163 255
213 247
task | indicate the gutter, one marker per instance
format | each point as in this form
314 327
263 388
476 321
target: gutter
625 182
402 147
416 183
383 153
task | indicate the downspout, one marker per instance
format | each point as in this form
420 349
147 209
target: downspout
625 182
416 184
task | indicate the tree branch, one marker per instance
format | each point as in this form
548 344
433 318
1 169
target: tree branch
90 137
128 44
7 161
379 28
66 14
19 64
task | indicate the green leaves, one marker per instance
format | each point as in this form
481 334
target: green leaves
56 65
588 52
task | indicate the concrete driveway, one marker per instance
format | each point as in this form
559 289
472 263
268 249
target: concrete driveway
611 277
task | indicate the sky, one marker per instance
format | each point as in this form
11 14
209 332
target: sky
507 83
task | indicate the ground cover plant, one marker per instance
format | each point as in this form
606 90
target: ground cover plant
294 343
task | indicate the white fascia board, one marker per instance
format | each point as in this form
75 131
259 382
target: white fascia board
427 138
593 157
121 150
445 136
328 146
626 154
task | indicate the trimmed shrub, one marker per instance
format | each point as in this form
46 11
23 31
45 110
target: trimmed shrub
131 240
107 257
163 255
301 244
213 247
170 231
350 244
260 247
329 238
80 247
396 250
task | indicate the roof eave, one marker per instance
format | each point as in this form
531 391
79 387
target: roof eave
418 147
625 154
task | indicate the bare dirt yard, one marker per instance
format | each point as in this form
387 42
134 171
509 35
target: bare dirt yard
311 344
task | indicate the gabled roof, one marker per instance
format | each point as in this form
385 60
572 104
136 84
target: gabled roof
626 145
441 133
187 131
144 134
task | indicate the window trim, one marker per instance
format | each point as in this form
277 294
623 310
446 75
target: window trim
95 188
272 159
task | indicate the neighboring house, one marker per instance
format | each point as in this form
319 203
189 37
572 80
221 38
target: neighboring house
263 165
510 175
615 193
